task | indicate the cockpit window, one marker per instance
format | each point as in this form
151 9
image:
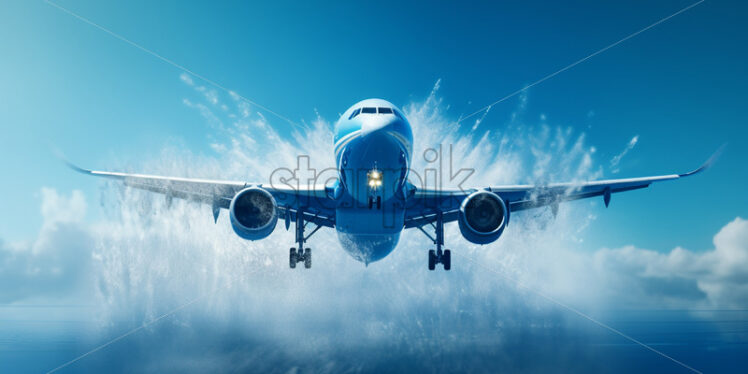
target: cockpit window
373 110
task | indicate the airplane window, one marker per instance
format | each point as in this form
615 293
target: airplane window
355 113
385 110
368 110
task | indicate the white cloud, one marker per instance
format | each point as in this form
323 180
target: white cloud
481 118
187 79
56 208
712 278
211 96
207 114
56 264
616 160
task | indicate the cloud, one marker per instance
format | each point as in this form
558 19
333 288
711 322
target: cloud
187 79
481 118
713 278
56 264
211 96
205 111
617 158
56 208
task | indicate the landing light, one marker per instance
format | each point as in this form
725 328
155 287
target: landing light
374 178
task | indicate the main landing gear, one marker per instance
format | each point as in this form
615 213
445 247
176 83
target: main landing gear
301 254
438 256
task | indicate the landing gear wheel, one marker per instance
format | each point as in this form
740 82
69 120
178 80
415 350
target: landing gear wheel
292 258
432 259
308 258
447 259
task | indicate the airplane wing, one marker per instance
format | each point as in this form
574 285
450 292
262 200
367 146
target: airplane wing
428 202
219 193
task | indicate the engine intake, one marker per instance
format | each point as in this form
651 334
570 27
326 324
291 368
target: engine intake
254 213
483 216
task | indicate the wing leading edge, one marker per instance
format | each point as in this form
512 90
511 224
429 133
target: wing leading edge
521 197
312 201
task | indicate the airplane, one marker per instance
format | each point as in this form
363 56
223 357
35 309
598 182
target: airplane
371 200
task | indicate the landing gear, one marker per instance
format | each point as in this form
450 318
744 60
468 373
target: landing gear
301 254
438 256
375 201
308 258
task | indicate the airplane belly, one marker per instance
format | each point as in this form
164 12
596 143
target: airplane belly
368 248
369 234
359 219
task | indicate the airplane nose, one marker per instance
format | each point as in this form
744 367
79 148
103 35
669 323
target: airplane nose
377 124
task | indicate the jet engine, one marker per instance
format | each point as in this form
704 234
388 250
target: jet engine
254 213
483 216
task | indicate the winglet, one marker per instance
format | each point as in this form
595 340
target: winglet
76 167
69 164
708 162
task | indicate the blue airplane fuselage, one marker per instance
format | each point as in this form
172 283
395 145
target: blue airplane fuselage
373 151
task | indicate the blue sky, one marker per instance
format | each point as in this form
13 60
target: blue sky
659 103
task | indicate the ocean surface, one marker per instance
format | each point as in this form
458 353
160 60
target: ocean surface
40 338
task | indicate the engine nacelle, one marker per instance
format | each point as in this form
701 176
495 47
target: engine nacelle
254 213
483 216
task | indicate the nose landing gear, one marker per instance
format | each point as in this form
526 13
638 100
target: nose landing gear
375 201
